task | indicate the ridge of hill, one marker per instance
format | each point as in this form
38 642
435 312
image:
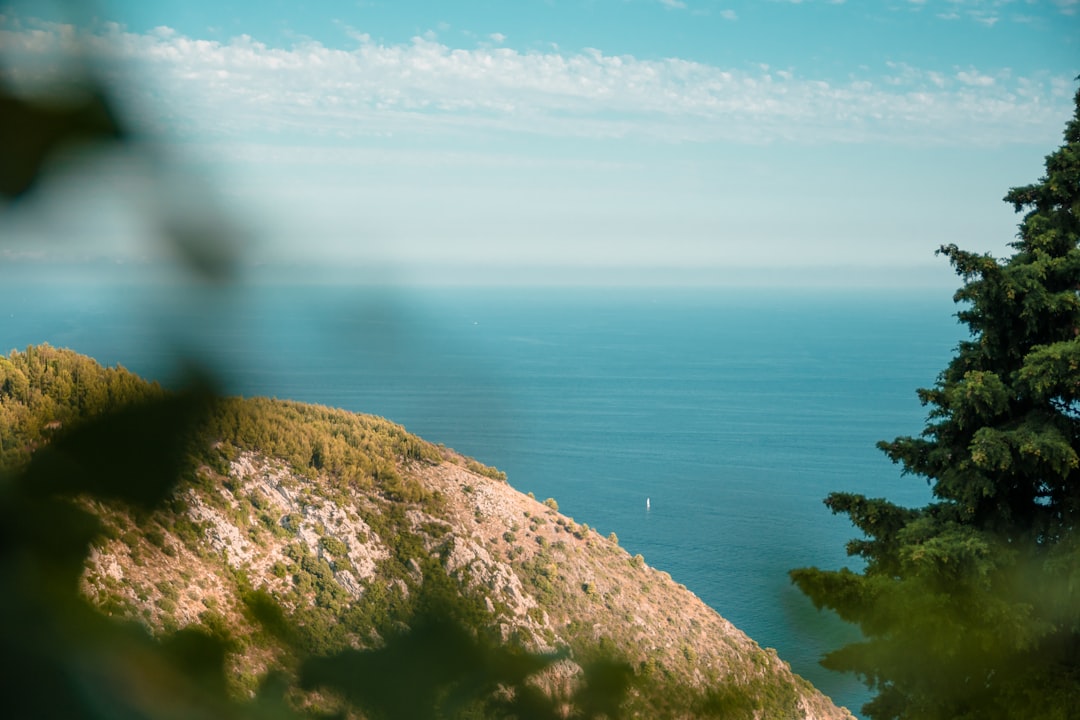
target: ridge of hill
358 570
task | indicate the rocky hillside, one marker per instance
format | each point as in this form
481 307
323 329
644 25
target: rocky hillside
363 572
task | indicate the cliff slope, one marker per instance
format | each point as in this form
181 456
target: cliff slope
369 573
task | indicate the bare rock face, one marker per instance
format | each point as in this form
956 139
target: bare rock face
318 523
221 534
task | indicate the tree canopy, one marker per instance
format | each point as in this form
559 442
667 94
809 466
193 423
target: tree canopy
970 606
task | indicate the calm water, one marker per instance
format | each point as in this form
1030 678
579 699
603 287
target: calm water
734 412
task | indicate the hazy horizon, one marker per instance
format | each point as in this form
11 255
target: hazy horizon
545 141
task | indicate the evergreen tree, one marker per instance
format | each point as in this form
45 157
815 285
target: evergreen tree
970 606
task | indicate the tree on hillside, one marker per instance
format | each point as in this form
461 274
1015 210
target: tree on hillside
970 606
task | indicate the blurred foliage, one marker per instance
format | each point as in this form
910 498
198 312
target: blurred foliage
72 433
72 110
62 658
75 436
68 430
971 605
34 130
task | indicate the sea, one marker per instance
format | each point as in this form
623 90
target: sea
702 426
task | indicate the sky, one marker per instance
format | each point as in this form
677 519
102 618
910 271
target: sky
568 140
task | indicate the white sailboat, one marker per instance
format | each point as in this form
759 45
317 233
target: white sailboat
648 505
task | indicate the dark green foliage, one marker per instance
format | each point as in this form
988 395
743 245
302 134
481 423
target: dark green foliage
606 682
217 627
156 434
726 702
442 667
33 130
263 609
438 669
333 546
971 605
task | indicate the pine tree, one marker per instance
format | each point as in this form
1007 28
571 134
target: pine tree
970 606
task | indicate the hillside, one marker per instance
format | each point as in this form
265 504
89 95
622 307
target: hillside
317 562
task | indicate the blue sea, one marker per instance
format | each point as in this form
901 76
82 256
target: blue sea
734 412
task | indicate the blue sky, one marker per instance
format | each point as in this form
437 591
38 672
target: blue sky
674 140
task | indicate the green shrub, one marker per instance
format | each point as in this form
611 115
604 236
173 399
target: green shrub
333 546
167 589
486 471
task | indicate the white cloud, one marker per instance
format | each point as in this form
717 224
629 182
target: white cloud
973 77
497 38
673 4
350 31
729 15
244 89
987 20
988 12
